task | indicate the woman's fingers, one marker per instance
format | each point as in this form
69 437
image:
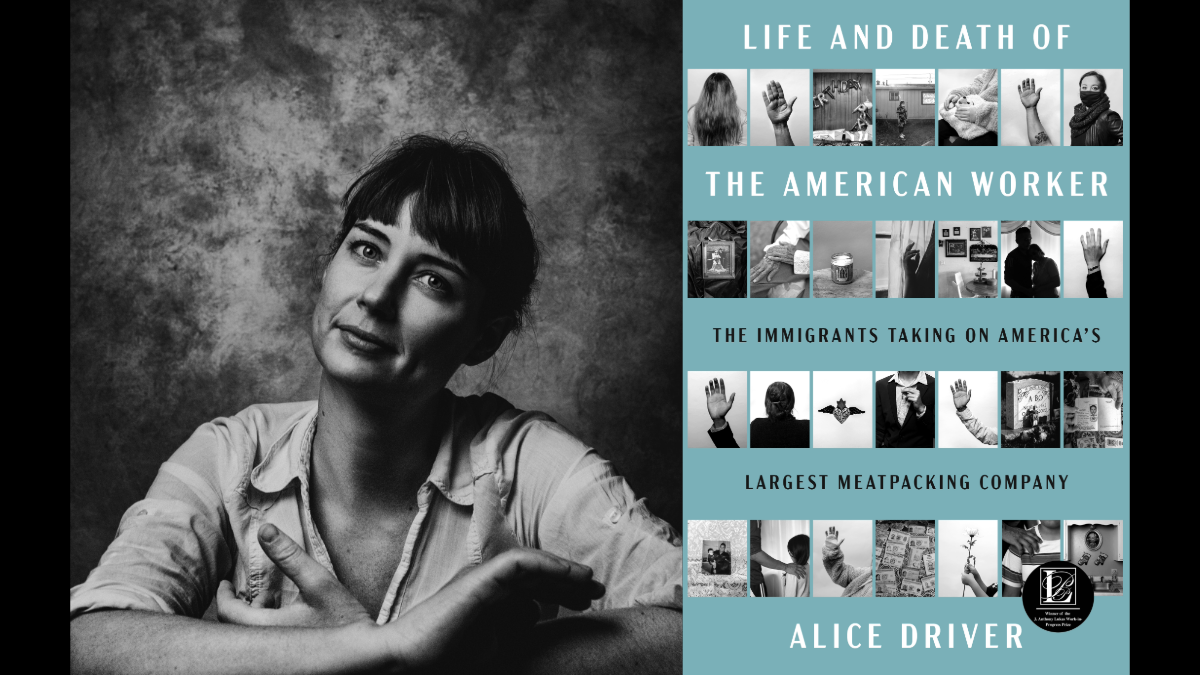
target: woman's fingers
306 573
542 576
231 609
722 381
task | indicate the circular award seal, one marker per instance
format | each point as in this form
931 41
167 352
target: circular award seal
1058 596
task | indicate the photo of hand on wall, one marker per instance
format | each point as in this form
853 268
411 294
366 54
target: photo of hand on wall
846 547
779 258
717 409
1093 267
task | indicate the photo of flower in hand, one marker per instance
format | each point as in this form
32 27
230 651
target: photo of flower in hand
968 556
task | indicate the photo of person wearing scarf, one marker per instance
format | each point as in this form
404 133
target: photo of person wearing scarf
1095 121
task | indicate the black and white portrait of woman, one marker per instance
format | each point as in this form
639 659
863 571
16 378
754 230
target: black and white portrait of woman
1094 105
341 398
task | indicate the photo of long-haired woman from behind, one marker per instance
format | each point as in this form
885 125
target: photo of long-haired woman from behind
716 117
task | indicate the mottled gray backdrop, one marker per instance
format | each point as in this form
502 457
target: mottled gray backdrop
210 143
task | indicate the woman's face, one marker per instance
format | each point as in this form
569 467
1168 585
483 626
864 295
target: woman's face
1090 83
395 311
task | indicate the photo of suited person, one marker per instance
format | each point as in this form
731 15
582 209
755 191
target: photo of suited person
904 409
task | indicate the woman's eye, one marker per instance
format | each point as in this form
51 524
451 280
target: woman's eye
434 281
365 249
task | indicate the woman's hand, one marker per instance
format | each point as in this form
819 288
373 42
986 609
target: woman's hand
961 394
779 109
965 110
951 100
323 600
792 568
1093 252
911 259
718 406
493 599
1029 92
1026 541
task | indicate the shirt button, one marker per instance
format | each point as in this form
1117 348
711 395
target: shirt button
614 516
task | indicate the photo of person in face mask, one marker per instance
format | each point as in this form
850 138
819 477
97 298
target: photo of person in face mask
1095 122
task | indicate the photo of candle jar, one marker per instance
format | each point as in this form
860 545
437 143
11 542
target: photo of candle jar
841 268
842 257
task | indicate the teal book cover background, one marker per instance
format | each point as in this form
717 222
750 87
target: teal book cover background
726 634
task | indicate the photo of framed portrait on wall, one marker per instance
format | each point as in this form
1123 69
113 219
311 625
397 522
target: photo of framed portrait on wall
956 248
975 234
958 231
987 231
945 232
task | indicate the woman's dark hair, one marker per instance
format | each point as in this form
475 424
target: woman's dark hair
780 400
463 200
1036 252
1103 82
798 548
718 118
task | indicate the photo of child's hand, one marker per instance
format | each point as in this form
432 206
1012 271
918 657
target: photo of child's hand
831 539
963 110
1025 541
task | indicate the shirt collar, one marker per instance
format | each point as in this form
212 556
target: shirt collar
467 449
920 378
